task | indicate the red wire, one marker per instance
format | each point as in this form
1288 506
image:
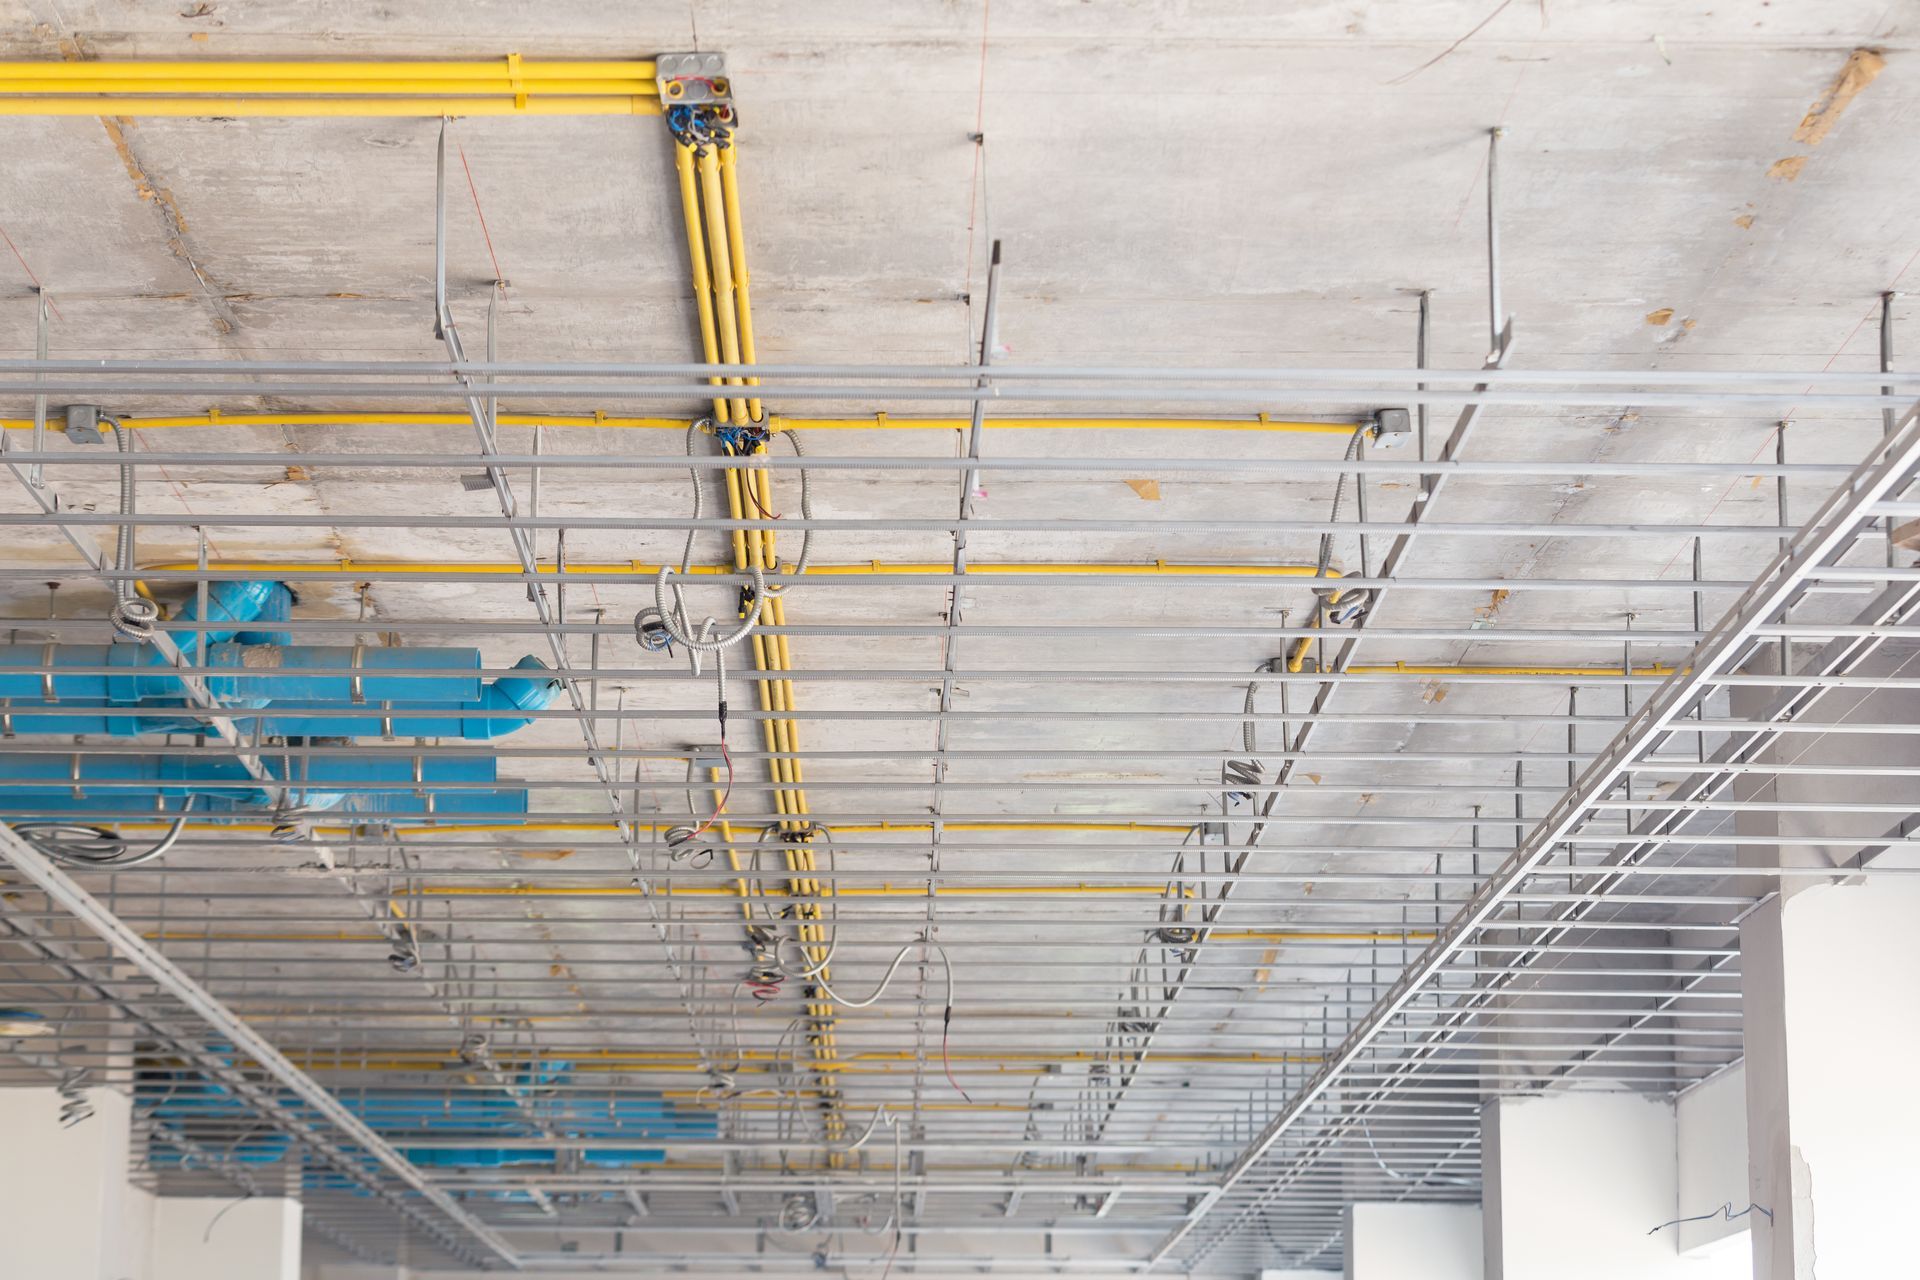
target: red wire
479 212
29 270
724 796
754 498
946 1062
897 1232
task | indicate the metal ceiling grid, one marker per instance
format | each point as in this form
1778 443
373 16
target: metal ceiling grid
1142 955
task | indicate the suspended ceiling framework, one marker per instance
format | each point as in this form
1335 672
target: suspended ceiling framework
992 752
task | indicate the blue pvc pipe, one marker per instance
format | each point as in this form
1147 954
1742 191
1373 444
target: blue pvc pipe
490 715
264 674
123 690
268 677
191 1104
46 785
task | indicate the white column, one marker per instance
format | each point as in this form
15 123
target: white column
1405 1241
1831 981
1830 984
221 1238
66 1209
1711 1121
1573 1185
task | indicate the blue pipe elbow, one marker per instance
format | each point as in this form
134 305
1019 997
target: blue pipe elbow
514 693
236 602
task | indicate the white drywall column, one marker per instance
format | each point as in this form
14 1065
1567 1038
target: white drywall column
1711 1121
66 1209
1414 1242
221 1238
1831 978
1573 1185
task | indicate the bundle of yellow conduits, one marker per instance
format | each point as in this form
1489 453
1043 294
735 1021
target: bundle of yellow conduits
710 202
211 87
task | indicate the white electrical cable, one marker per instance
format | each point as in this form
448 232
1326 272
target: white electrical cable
675 620
892 969
806 510
879 1110
805 973
1396 1175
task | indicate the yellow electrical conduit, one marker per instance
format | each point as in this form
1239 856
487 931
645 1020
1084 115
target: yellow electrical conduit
914 892
1464 669
626 422
1217 935
633 568
504 86
887 422
726 289
737 246
773 653
717 252
876 828
716 248
1312 935
667 1060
